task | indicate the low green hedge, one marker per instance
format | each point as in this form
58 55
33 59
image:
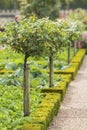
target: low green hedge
2 65
41 120
66 78
44 113
49 106
53 99
61 88
78 58
81 52
6 71
72 69
32 127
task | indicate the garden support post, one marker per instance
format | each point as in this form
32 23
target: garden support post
26 90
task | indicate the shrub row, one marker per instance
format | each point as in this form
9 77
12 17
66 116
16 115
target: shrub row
44 113
48 108
72 70
61 88
79 57
75 64
6 71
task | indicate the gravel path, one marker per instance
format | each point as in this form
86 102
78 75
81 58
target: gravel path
73 111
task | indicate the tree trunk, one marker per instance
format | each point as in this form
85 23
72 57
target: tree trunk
51 73
74 47
26 88
69 53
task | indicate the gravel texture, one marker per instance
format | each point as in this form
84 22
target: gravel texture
73 111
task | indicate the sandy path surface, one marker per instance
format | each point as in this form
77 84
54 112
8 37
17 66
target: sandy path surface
73 111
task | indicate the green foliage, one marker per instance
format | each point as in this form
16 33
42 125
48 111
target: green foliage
81 52
78 4
32 127
71 69
74 30
65 4
12 109
36 36
11 99
11 106
4 4
79 57
10 66
78 14
22 38
43 8
12 79
60 88
39 78
32 36
44 113
7 55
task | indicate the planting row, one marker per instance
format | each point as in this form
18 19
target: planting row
48 108
11 114
39 37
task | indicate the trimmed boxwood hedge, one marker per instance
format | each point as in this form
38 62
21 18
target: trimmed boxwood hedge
78 58
48 108
66 78
6 71
70 70
32 127
44 113
61 88
81 52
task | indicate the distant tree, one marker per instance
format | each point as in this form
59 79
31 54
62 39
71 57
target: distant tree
9 4
22 5
43 8
78 4
65 4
